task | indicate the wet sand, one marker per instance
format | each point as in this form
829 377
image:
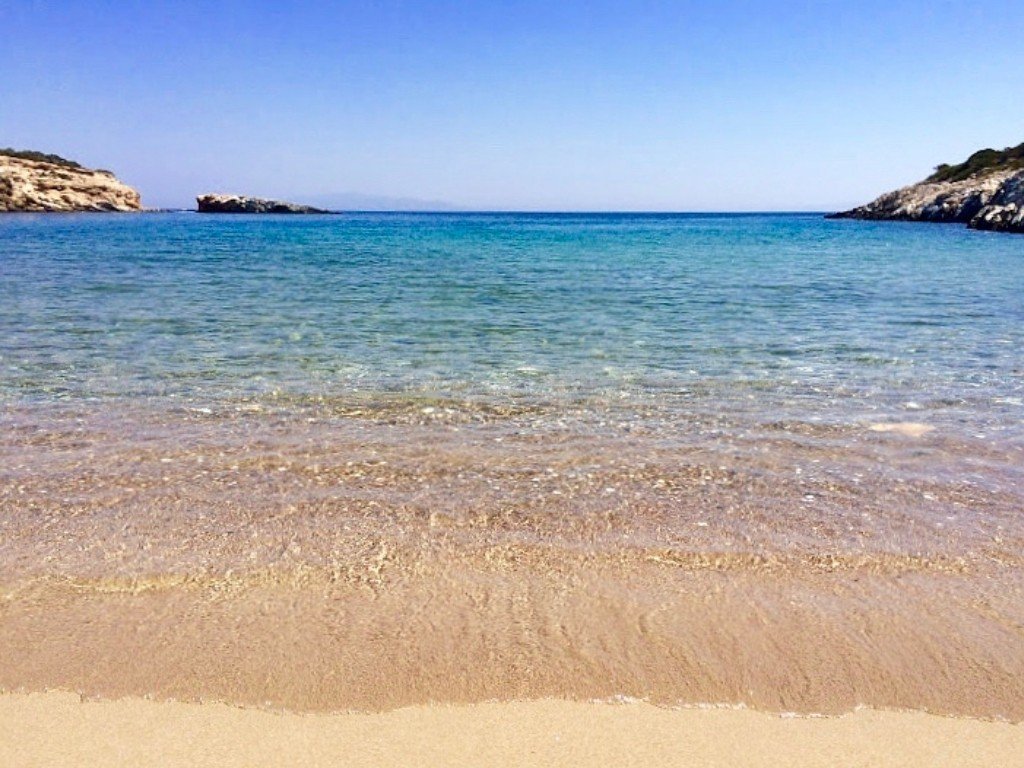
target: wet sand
57 729
379 563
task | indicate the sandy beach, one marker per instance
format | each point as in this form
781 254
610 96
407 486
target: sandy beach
57 729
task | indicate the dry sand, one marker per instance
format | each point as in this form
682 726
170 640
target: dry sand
58 729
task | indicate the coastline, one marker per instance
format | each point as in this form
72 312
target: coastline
379 561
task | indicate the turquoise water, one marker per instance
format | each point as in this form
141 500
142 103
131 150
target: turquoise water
772 314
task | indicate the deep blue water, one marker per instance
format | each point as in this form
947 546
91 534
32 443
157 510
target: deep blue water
767 310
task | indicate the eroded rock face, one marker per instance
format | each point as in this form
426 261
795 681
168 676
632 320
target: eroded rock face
1005 211
30 185
242 204
989 200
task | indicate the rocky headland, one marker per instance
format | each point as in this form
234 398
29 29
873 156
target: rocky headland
984 192
32 181
242 204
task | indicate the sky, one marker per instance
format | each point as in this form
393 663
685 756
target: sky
660 106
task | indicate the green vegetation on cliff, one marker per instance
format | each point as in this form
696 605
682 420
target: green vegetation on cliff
39 157
982 160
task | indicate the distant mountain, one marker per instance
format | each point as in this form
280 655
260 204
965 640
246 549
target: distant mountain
986 191
355 201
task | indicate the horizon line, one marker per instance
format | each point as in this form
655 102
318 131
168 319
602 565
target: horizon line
525 212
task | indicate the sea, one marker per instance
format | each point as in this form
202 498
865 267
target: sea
766 316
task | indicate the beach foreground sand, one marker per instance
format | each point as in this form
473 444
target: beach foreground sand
58 729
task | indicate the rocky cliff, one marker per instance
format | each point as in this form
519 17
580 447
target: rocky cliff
240 204
984 192
28 182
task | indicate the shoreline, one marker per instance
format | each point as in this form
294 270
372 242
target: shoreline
375 563
810 645
611 700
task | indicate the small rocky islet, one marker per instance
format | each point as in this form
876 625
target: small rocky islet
243 204
986 191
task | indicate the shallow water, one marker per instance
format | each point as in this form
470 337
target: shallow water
774 314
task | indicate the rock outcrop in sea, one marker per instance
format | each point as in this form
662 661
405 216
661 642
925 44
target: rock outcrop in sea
32 181
984 192
242 204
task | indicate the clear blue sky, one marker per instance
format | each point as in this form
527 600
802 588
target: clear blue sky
518 105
